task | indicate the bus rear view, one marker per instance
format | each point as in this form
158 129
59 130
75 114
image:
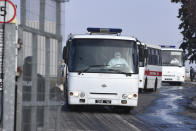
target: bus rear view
102 70
173 66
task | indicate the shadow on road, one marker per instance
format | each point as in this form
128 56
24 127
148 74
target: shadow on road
95 109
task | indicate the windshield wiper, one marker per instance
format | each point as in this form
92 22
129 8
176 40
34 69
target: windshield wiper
121 72
89 67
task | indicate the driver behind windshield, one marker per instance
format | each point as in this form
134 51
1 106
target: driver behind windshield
174 61
118 61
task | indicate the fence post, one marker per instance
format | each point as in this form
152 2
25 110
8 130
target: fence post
9 77
19 83
47 84
34 82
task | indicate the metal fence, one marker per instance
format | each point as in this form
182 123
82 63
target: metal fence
39 99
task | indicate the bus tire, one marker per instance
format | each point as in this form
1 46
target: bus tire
145 84
155 85
140 90
68 106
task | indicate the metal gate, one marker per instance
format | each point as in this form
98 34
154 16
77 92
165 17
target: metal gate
39 99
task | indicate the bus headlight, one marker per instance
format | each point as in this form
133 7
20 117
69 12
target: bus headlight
71 93
76 94
135 95
82 94
129 96
124 96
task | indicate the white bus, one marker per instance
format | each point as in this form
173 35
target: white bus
173 65
150 70
102 69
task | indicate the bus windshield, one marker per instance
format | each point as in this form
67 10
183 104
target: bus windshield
103 56
172 58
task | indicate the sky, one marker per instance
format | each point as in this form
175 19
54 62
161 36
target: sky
151 21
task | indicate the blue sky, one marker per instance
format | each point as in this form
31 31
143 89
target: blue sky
151 21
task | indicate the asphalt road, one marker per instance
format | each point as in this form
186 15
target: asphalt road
98 118
156 111
167 112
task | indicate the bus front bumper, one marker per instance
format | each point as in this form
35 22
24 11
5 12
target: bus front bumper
94 101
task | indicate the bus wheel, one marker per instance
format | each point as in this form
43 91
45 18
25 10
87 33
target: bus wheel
68 106
145 84
155 85
140 90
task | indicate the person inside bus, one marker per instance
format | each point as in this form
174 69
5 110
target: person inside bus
118 61
174 61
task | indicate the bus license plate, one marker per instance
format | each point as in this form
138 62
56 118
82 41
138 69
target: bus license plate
103 101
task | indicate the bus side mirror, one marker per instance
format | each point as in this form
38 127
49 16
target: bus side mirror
65 54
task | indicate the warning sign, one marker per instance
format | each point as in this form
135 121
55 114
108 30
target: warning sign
7 11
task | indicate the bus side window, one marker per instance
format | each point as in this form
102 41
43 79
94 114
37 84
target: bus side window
156 57
149 56
146 56
146 53
153 57
160 58
141 55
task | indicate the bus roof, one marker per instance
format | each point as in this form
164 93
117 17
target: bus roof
170 49
153 46
92 36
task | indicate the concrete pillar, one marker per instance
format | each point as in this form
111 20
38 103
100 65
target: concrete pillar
9 77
